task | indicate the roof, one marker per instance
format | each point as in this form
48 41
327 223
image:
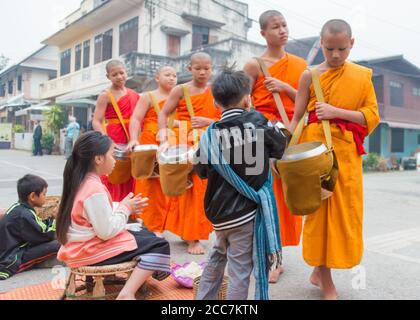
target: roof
15 66
396 64
302 48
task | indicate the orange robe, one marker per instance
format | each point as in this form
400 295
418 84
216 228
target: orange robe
289 70
154 215
186 216
332 236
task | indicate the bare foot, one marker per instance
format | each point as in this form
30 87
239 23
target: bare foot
126 297
195 248
275 275
330 293
315 279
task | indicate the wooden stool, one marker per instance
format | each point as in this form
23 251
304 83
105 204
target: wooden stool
98 276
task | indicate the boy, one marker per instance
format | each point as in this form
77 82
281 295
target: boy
154 216
246 142
186 217
126 100
285 70
26 240
332 236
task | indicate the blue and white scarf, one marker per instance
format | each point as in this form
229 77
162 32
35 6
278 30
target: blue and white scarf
267 251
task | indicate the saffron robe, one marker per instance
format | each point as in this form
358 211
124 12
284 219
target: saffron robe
289 69
332 236
116 132
154 215
186 215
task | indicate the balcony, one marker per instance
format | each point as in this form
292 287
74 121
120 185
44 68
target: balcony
140 68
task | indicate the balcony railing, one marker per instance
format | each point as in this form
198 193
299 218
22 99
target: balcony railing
140 67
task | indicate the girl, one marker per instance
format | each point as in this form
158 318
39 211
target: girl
91 232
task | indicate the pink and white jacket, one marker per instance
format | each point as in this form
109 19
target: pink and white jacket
97 232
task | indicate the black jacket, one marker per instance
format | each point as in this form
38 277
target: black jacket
21 228
225 206
38 133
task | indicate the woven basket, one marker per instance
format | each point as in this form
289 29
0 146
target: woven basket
222 291
50 208
105 270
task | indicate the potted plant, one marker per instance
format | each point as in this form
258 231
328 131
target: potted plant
55 119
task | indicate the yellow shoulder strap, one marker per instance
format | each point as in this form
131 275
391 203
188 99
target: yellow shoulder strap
320 97
156 106
190 108
276 95
118 112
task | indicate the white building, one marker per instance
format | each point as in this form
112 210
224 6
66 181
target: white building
146 34
20 86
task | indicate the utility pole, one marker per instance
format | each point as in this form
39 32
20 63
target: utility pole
150 5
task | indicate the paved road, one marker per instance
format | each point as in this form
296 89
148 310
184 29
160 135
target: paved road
391 264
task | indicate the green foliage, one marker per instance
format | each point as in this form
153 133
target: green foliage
372 161
55 119
47 142
3 61
19 129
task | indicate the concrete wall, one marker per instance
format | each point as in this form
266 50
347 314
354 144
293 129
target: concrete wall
23 141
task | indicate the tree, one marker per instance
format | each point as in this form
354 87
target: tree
3 61
55 119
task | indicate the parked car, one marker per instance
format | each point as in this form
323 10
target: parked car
409 163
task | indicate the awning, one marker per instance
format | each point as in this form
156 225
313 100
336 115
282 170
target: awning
17 101
77 102
83 94
402 125
39 107
174 31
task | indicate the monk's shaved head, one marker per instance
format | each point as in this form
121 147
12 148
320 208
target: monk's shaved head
200 56
266 16
165 68
337 26
114 63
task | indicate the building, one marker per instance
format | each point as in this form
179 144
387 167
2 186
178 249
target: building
20 87
397 85
146 35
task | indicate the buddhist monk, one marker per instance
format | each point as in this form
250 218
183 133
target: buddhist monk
146 112
285 70
186 217
105 114
332 236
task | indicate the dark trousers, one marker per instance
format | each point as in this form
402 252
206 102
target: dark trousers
35 255
38 147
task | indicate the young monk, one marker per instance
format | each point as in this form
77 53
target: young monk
154 215
104 112
332 236
186 217
285 70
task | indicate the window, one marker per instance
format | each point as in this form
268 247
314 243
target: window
416 92
86 54
418 140
375 141
129 36
397 94
2 90
98 49
107 45
10 87
174 46
397 140
103 47
78 56
201 36
65 62
378 82
19 83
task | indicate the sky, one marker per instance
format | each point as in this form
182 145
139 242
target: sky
381 27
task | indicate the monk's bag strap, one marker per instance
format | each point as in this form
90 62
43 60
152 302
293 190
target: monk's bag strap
122 170
309 171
